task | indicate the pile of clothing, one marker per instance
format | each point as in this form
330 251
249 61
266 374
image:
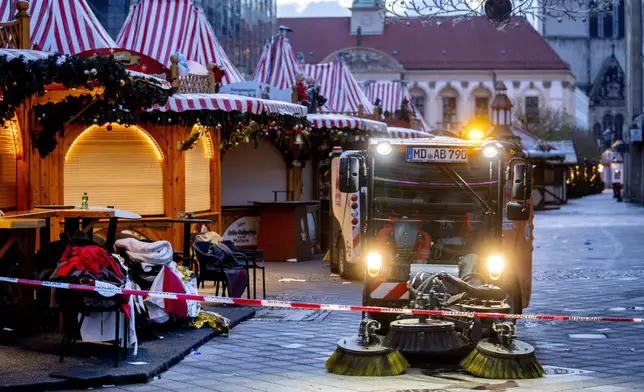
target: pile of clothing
137 265
151 266
92 265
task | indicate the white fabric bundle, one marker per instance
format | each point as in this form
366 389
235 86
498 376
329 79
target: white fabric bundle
157 253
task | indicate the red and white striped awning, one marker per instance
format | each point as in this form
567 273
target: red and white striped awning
339 87
64 26
230 103
38 55
405 133
278 66
391 95
340 122
262 71
160 29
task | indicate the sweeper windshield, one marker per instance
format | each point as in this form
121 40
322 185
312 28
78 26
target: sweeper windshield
419 205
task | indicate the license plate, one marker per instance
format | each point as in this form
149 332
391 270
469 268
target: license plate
436 154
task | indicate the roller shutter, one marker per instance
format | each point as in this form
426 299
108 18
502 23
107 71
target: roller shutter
198 176
121 168
7 169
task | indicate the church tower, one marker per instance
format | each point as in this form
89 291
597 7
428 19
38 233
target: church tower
368 16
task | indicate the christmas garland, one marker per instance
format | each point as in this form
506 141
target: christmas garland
123 100
21 79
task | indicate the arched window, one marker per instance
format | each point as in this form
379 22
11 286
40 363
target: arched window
418 100
481 97
449 98
597 131
607 123
619 124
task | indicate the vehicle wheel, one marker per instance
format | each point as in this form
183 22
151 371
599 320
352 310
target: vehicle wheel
347 270
334 265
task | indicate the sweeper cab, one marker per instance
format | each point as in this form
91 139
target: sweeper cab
441 222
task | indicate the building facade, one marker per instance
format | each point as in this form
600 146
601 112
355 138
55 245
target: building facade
241 26
451 76
634 154
595 49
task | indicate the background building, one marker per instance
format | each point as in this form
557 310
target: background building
595 49
634 156
450 69
242 26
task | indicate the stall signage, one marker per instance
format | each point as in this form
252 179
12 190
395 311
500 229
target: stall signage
243 231
257 90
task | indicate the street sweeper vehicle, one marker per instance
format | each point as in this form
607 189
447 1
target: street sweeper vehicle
439 223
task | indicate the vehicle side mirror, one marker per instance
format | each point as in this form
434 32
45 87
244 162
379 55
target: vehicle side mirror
517 211
521 182
349 175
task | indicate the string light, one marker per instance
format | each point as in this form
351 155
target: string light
17 138
155 146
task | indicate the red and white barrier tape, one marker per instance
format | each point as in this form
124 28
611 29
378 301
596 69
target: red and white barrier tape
109 290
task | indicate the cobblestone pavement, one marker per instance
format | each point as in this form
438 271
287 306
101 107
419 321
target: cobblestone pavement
587 261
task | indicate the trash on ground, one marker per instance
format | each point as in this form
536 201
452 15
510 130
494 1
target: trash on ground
292 345
138 363
291 280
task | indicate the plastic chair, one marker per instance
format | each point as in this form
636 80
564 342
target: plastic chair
254 260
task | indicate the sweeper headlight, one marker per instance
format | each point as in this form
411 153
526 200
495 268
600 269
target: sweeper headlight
490 151
383 148
374 262
495 265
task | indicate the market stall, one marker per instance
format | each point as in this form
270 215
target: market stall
393 100
552 162
87 131
183 29
167 157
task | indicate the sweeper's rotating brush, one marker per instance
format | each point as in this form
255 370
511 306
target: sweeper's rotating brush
424 336
503 357
364 355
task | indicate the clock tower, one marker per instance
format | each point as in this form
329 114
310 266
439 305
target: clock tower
367 14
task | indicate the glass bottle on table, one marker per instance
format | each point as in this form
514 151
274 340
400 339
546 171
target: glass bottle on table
84 202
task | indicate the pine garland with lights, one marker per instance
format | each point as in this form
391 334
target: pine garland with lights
122 99
21 79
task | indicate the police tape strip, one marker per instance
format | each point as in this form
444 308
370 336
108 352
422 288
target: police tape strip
110 290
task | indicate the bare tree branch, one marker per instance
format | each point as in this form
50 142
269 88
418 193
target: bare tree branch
553 125
430 11
545 124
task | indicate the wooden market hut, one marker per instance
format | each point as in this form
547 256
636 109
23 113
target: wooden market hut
138 167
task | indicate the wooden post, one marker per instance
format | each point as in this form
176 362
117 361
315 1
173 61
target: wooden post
25 32
294 183
294 98
360 111
174 72
215 178
212 79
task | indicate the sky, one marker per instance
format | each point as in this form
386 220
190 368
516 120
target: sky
304 8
